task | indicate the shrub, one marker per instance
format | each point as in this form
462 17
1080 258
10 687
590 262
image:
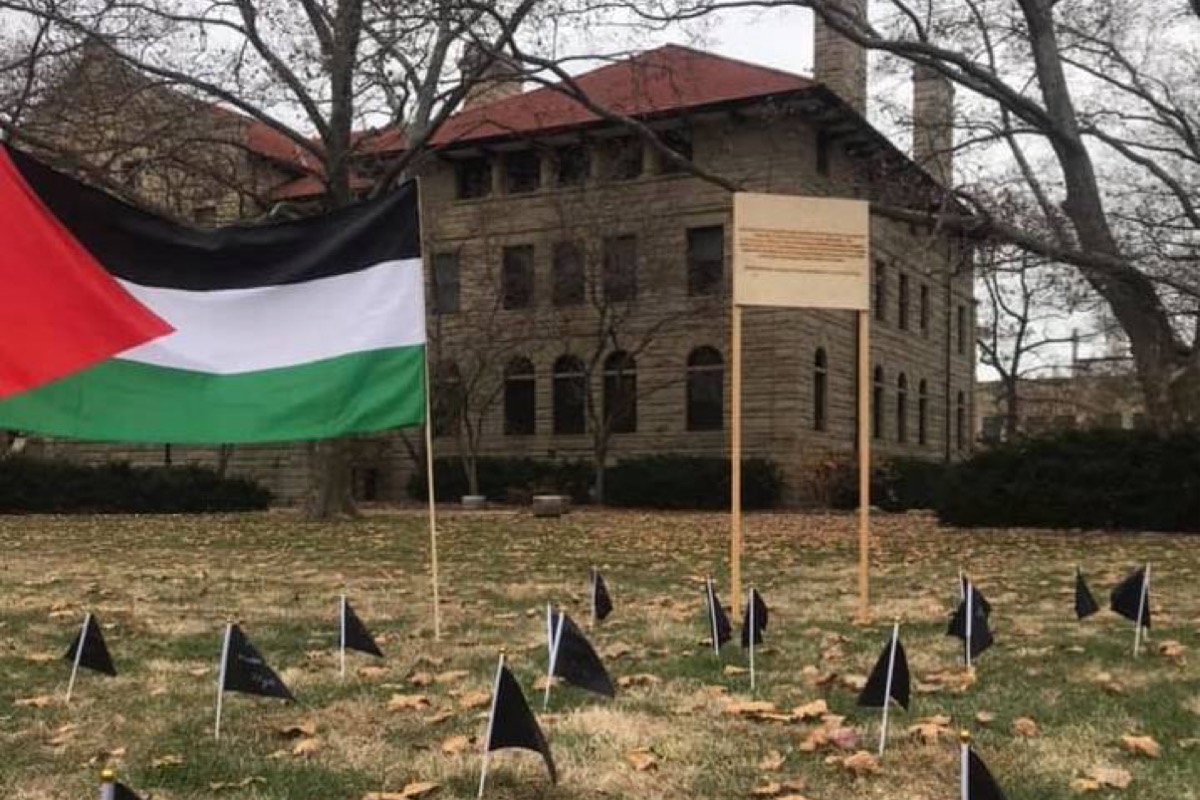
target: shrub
900 484
690 482
506 479
1080 479
42 486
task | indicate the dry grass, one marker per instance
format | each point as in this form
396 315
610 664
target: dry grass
164 586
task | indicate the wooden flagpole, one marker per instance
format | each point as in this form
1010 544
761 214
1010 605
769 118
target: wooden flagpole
433 539
864 465
735 458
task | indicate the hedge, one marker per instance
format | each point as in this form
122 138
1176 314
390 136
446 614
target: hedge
1105 479
901 484
689 482
506 479
44 486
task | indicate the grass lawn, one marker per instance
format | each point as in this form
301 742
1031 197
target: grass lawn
163 588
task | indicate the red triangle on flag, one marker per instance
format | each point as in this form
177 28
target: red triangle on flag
61 311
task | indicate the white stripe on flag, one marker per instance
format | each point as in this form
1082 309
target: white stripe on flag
246 330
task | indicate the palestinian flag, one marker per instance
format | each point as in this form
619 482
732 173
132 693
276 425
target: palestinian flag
123 326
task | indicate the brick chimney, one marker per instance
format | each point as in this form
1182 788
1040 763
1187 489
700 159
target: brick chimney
933 123
839 63
499 77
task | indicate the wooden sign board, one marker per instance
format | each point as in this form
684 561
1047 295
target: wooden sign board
801 252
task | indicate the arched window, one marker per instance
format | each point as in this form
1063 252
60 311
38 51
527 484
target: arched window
520 407
922 413
705 390
820 390
902 408
620 392
877 405
570 396
960 421
447 397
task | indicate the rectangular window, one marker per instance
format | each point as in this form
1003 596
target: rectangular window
522 172
445 283
517 277
880 291
473 178
822 153
705 260
567 279
924 310
962 330
620 269
680 141
623 159
902 317
574 165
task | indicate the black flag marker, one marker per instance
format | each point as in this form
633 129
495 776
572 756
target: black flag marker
977 783
575 660
1131 599
354 634
511 724
718 621
112 789
1085 603
970 623
601 600
754 621
979 601
889 680
244 670
87 649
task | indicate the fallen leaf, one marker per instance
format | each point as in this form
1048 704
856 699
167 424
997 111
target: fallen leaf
434 719
451 676
642 759
769 789
474 700
371 671
41 701
750 708
1024 727
1115 777
772 761
1141 746
456 744
862 763
732 670
407 702
298 730
814 710
420 679
307 748
639 679
985 717
419 789
1171 649
171 760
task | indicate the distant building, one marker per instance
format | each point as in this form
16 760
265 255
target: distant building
1051 404
586 277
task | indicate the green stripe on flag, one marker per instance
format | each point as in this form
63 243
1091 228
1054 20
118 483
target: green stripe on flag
125 401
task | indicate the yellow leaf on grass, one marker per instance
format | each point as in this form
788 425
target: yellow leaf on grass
732 670
41 701
171 760
862 763
298 730
407 702
772 761
750 708
1024 727
814 710
769 789
643 759
451 676
474 700
307 748
638 679
456 744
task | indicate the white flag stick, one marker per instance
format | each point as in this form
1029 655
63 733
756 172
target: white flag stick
965 768
555 642
342 636
87 621
108 786
712 618
1137 625
221 677
887 687
487 739
750 606
595 574
970 592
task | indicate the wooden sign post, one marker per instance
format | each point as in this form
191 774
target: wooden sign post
800 252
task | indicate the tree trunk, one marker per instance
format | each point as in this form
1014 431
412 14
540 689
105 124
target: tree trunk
224 455
471 468
1012 409
600 459
330 493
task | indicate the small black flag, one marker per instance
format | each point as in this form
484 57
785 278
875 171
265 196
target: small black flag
355 635
1085 604
94 654
980 783
720 629
245 671
576 662
1132 595
601 601
115 790
978 601
981 634
876 693
754 624
512 723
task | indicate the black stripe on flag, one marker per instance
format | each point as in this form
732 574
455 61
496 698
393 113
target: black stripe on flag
719 626
95 652
247 672
149 250
760 617
601 598
513 724
357 636
980 783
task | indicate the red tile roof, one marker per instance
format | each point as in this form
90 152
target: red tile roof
666 79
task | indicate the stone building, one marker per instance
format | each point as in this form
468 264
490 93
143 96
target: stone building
579 280
1059 403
